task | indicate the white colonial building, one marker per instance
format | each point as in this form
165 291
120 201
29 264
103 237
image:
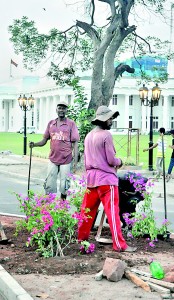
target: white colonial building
46 94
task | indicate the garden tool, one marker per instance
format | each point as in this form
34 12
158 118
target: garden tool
29 171
97 237
4 239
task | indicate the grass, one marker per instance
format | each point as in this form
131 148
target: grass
14 143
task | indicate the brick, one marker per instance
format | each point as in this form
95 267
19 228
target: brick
169 277
114 269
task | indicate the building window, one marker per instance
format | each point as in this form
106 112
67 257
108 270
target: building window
131 100
114 124
130 121
3 104
12 103
172 104
114 100
155 122
172 122
69 99
162 100
3 122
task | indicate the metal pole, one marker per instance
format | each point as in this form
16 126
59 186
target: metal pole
29 171
25 130
151 138
164 179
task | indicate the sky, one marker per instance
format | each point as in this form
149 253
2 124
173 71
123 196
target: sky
57 14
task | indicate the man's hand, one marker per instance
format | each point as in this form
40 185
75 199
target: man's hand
144 150
118 167
120 164
31 144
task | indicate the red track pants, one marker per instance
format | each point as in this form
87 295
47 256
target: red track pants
108 195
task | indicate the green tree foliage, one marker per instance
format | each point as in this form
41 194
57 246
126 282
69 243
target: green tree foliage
85 46
80 113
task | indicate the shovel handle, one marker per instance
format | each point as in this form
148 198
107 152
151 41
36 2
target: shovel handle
100 226
3 236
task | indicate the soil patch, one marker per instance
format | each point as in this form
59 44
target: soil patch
17 258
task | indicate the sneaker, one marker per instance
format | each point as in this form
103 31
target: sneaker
130 249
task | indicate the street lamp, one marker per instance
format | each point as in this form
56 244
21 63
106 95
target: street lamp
25 105
143 94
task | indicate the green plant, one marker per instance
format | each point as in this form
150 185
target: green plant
51 222
129 161
86 247
80 113
143 223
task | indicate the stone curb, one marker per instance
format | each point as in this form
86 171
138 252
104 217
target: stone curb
11 215
10 288
20 175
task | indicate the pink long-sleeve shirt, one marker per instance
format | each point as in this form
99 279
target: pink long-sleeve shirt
100 158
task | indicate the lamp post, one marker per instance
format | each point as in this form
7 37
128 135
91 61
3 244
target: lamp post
143 94
25 105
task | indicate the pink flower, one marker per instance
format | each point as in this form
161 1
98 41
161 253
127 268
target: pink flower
151 244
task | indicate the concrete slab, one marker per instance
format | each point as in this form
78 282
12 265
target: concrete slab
10 288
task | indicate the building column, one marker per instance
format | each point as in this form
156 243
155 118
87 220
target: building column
126 111
42 112
56 100
47 110
166 113
36 107
148 118
143 118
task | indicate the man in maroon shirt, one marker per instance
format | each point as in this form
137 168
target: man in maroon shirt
102 181
63 135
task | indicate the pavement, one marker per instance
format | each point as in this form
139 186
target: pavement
18 166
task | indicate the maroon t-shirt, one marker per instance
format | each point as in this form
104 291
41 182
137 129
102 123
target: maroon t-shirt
62 135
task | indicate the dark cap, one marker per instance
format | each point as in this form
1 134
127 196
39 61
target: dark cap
172 131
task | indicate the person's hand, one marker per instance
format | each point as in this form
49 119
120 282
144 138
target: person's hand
144 150
120 164
31 144
118 167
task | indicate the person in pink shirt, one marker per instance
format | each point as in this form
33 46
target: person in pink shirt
102 182
63 135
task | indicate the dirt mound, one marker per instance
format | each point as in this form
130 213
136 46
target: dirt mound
16 258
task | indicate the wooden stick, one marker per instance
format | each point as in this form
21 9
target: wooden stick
2 232
158 288
138 281
167 285
100 226
139 272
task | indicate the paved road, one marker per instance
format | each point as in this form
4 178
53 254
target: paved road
10 184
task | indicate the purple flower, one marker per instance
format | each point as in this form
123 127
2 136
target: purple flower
151 244
130 235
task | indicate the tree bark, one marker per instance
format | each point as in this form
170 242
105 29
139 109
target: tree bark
104 73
